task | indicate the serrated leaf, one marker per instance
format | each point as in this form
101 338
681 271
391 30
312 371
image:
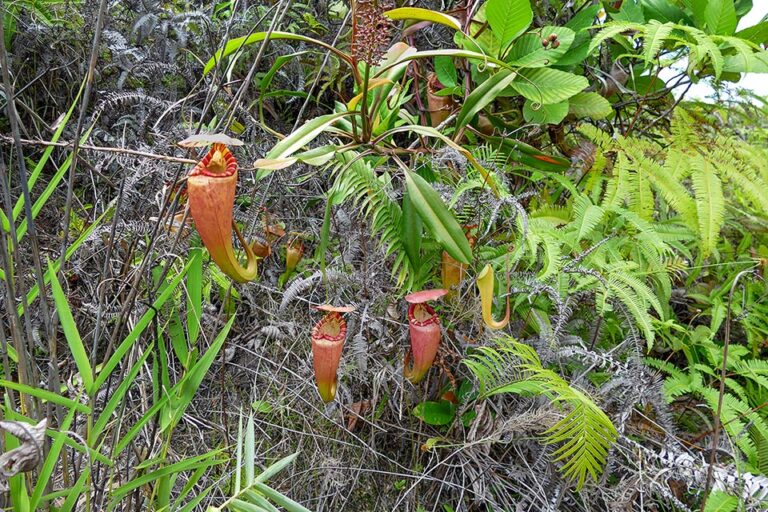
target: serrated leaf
529 52
655 36
720 17
508 18
545 114
547 86
589 104
439 221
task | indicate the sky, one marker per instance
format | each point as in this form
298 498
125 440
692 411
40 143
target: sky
756 82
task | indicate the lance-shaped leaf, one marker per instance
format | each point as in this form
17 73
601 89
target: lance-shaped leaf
485 284
437 218
483 95
211 190
418 14
424 329
281 155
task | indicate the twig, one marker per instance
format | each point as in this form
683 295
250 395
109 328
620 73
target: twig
143 154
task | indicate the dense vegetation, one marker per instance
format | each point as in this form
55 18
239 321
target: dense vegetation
203 202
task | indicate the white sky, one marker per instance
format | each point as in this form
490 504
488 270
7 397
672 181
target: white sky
756 82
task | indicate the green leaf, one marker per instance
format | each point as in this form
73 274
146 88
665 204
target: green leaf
547 86
545 114
445 70
194 378
439 221
194 294
757 34
710 204
720 17
262 406
630 11
663 11
234 45
483 95
435 413
718 501
275 468
142 324
418 14
280 155
411 231
589 104
71 333
656 35
530 53
282 500
45 395
508 18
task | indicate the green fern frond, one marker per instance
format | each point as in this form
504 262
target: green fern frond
586 432
710 204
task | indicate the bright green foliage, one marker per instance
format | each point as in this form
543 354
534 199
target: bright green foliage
251 492
586 432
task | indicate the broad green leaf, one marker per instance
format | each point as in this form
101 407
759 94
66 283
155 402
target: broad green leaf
546 85
439 221
589 104
435 413
529 52
71 333
445 69
418 14
262 406
537 113
663 11
508 18
720 17
483 95
757 34
630 11
753 63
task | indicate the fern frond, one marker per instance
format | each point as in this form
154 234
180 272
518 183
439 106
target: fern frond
586 432
710 204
